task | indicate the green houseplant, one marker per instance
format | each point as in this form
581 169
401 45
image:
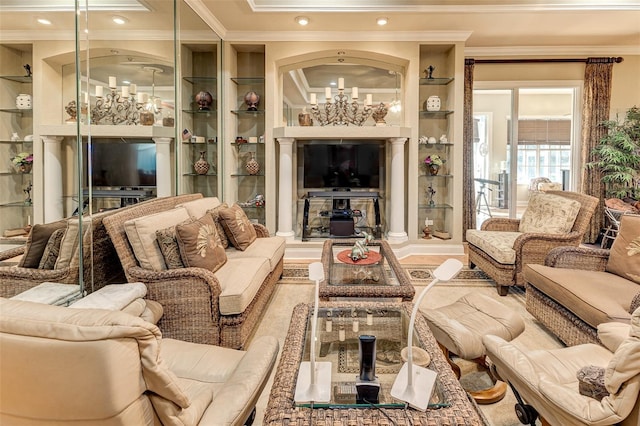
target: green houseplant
617 156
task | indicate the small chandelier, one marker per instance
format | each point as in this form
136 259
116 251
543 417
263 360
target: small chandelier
395 105
341 112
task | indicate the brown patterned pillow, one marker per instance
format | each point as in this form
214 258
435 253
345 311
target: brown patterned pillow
51 250
591 382
215 212
237 226
624 257
37 241
200 245
166 239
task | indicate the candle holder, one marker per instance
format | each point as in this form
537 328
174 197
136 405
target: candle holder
342 112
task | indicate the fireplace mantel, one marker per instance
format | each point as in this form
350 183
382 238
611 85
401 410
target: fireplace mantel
342 132
396 137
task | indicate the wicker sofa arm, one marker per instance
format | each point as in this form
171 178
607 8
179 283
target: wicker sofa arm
14 280
9 254
190 299
261 230
534 248
500 224
578 258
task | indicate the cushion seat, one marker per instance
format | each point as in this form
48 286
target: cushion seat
271 248
497 244
240 279
593 296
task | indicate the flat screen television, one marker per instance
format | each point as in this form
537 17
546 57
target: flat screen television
339 164
123 164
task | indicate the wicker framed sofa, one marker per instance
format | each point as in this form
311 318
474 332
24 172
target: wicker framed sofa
579 288
52 254
210 294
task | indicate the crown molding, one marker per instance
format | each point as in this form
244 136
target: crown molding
416 36
208 17
367 6
49 35
511 51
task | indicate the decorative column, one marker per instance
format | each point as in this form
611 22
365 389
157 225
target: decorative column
52 178
163 166
285 189
397 232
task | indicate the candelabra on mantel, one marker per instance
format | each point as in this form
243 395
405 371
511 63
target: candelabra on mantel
343 111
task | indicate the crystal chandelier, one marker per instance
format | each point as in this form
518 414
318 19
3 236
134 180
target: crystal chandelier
339 110
395 105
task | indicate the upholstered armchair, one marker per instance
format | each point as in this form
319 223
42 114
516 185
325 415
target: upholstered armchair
94 366
587 384
503 246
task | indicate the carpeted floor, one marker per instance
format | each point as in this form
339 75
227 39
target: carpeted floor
295 288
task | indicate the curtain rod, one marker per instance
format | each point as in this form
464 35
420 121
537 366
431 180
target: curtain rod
617 60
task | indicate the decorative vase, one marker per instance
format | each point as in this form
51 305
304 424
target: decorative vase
252 166
304 118
23 101
24 168
433 103
433 169
379 113
252 100
204 100
201 166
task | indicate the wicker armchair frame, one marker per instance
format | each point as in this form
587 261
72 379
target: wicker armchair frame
557 318
530 247
100 263
189 296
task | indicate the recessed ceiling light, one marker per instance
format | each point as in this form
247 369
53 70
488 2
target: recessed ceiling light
302 20
333 83
119 20
382 21
44 21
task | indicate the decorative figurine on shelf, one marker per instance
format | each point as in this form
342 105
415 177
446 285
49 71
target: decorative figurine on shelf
429 72
443 139
379 113
27 190
430 193
15 137
252 100
360 249
72 110
427 231
304 118
204 100
27 68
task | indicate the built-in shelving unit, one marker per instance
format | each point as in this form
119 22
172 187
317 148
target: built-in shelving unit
248 166
16 186
199 81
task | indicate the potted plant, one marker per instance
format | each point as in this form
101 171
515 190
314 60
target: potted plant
433 163
23 162
617 156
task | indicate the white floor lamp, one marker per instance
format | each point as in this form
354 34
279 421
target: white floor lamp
414 384
314 378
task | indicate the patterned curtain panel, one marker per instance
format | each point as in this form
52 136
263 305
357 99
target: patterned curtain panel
468 200
596 101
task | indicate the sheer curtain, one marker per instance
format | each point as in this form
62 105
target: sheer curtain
468 200
595 109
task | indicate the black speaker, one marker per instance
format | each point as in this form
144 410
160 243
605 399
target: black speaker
367 385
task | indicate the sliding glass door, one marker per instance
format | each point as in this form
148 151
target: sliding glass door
534 152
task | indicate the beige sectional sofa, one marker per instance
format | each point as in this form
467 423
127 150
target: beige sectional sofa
579 288
213 306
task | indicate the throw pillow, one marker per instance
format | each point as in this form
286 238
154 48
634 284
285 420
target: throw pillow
549 214
624 257
635 303
198 208
169 247
51 251
37 242
70 241
200 245
215 212
237 226
591 382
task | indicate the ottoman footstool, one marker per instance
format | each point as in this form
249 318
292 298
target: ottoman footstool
459 328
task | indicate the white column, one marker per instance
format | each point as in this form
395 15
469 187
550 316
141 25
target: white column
397 232
285 189
163 166
52 178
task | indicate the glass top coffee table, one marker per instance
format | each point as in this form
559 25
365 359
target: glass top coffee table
345 279
338 344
